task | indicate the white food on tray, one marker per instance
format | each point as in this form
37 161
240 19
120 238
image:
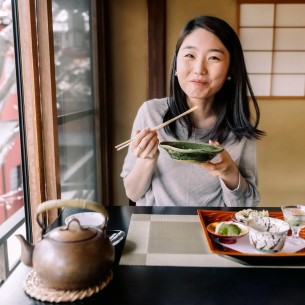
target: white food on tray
247 214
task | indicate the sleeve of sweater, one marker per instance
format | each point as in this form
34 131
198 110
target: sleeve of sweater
130 159
246 194
149 114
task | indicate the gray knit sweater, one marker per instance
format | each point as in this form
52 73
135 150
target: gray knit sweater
183 184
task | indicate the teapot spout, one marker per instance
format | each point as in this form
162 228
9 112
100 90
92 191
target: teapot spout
26 251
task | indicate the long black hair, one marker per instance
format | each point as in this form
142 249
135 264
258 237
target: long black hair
231 103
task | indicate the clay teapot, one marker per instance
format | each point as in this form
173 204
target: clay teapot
70 256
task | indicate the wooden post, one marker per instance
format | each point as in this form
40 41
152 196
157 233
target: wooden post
156 48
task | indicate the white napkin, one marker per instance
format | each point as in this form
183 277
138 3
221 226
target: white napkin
243 245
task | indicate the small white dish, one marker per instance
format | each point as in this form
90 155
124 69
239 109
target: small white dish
244 215
267 234
88 219
225 239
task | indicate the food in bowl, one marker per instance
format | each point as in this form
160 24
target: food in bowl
267 234
227 232
191 152
246 214
228 229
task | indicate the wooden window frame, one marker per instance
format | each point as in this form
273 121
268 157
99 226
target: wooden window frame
40 113
239 2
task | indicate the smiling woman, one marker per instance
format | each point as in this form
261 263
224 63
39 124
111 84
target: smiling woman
280 160
204 73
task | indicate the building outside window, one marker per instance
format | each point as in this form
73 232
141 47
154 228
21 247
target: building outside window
11 185
72 30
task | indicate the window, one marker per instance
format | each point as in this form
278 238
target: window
72 30
61 94
11 184
273 39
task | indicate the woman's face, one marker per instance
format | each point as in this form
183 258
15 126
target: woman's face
202 65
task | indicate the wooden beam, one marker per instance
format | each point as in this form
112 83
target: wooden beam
102 97
32 111
48 102
156 48
270 1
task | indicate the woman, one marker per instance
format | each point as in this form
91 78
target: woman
208 71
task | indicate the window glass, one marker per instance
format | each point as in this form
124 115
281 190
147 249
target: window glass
75 98
72 44
77 166
11 186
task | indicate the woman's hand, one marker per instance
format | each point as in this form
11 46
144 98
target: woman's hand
145 147
145 144
226 169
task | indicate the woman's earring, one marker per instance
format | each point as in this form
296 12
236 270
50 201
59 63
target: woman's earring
175 73
229 78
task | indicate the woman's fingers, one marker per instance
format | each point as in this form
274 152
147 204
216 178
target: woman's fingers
215 143
139 135
223 166
145 143
151 149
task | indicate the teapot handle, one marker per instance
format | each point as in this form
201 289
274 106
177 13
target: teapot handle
70 203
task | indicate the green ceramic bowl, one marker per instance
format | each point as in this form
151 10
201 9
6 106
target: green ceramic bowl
191 152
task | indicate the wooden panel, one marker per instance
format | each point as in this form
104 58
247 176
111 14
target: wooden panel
48 102
270 1
156 48
30 84
103 106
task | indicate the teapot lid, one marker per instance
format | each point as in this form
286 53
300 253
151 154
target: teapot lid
72 232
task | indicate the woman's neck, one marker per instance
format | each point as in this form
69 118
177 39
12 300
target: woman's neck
204 116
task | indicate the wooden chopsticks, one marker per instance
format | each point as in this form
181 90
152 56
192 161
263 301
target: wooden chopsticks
127 143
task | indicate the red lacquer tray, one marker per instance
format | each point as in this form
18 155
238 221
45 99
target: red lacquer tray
208 216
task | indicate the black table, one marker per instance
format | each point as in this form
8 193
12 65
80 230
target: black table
151 285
